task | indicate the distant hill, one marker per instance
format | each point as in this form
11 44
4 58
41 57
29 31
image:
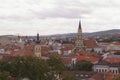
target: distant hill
100 33
93 34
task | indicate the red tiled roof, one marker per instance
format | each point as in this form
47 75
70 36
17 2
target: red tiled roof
112 60
109 76
43 42
46 48
22 53
91 43
97 76
91 59
27 51
116 43
66 47
68 60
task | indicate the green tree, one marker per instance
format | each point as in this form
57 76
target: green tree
29 67
56 64
4 75
4 66
69 77
84 65
117 78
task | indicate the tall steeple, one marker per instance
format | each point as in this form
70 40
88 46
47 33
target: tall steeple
79 42
79 25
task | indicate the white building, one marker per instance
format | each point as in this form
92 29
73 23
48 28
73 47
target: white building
113 46
102 67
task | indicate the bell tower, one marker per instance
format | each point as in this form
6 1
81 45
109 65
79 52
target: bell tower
79 44
37 47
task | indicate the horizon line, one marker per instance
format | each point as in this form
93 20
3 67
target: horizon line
18 34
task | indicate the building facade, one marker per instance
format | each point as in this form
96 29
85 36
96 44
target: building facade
103 67
37 47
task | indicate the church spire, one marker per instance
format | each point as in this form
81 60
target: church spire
79 24
79 44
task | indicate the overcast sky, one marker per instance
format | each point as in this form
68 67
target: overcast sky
28 17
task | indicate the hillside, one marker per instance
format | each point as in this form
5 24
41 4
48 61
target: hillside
100 33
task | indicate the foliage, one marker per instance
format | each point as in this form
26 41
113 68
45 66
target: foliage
29 67
84 65
4 75
4 66
33 68
117 53
56 64
69 77
117 78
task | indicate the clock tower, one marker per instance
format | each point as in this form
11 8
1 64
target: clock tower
37 47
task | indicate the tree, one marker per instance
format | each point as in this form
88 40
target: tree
84 65
117 78
69 77
117 53
29 67
4 66
4 75
56 64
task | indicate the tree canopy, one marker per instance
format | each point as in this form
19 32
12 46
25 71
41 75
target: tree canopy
56 64
4 75
33 68
117 78
29 67
84 65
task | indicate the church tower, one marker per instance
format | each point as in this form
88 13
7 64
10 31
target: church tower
37 47
79 44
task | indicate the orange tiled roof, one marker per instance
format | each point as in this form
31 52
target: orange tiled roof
27 51
90 43
46 48
112 60
43 42
109 76
68 59
116 43
87 58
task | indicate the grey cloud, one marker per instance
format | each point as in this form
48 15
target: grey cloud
41 14
64 10
61 9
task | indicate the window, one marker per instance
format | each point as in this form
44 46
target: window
102 70
97 70
113 71
105 70
116 72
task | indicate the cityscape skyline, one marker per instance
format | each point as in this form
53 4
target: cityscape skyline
28 17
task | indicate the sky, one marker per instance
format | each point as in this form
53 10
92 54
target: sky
46 17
